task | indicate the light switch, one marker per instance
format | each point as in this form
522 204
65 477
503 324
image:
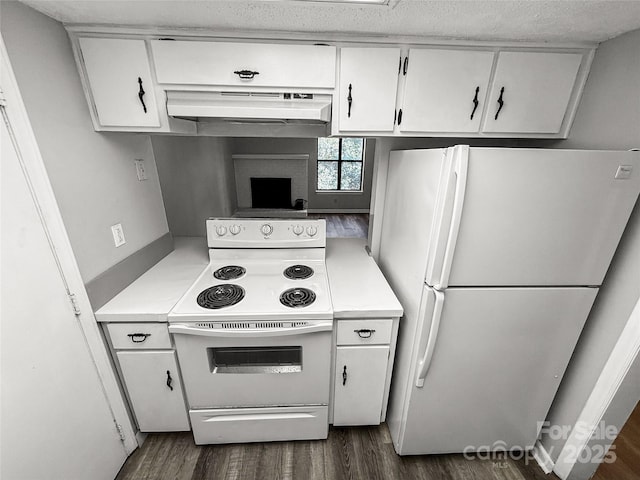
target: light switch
118 235
624 172
142 174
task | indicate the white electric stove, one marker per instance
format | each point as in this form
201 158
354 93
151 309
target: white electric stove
253 333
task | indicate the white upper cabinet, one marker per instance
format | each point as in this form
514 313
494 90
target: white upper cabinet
445 90
120 82
366 95
531 92
209 63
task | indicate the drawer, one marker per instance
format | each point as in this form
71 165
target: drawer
215 64
139 335
241 425
364 332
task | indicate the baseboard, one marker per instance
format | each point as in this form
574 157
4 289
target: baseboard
112 281
542 457
338 210
140 438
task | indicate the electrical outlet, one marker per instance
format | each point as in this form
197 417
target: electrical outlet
142 173
118 235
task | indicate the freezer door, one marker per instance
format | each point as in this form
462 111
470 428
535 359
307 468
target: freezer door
535 217
498 356
412 193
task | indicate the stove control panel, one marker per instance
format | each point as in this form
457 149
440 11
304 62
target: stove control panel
266 233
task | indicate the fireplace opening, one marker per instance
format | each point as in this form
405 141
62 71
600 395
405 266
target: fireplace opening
270 192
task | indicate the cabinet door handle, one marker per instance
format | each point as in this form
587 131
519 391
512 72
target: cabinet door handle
344 375
475 103
365 332
500 102
141 93
169 380
406 64
349 102
138 337
246 74
399 117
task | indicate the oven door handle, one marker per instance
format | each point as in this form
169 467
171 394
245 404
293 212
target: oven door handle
253 332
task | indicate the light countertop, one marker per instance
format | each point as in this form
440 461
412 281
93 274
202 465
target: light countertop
153 295
358 288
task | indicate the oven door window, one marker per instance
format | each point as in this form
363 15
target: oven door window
237 360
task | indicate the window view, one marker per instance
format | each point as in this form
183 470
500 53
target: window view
340 163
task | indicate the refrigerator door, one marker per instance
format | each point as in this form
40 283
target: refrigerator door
412 191
497 357
534 217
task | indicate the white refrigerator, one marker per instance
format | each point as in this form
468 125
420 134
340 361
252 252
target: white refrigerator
496 256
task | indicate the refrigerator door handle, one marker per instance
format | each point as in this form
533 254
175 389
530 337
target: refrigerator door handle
460 168
425 362
435 239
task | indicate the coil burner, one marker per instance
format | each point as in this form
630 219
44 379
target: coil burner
220 296
297 297
298 272
230 272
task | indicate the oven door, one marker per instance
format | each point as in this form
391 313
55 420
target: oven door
254 364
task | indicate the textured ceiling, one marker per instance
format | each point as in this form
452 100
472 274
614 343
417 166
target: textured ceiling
523 20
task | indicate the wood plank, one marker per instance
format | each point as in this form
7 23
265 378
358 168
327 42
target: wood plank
343 225
349 453
626 449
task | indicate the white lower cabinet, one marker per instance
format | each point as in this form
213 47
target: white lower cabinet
153 383
360 377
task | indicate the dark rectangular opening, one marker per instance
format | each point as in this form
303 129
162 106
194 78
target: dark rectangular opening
255 359
270 192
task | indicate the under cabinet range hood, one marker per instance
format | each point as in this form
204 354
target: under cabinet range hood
244 113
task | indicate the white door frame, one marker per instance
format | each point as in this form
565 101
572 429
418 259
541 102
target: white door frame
36 176
613 375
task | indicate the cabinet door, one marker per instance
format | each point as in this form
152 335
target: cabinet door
117 70
534 89
263 65
359 384
368 82
445 90
157 406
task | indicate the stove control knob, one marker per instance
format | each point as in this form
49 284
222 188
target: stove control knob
266 229
312 230
234 229
298 229
221 230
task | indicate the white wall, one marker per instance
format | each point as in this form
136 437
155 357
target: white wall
608 118
247 168
92 174
196 174
309 146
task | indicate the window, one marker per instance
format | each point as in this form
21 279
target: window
340 163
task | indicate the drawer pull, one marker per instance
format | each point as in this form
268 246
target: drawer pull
344 375
246 74
365 332
169 380
138 337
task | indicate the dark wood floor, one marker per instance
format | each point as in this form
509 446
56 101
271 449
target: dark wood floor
349 453
627 452
345 225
